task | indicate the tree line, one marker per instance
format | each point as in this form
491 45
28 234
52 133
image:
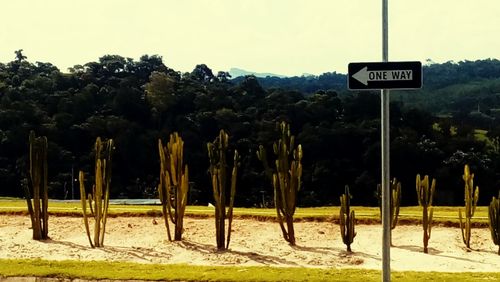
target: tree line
136 102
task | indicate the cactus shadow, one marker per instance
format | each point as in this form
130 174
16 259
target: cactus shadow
335 251
68 244
465 254
418 249
460 258
482 250
264 259
199 247
318 250
210 249
435 252
142 253
345 253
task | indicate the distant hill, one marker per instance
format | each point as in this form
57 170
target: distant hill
448 87
453 88
306 84
236 72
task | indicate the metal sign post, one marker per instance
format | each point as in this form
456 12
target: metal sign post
386 200
383 76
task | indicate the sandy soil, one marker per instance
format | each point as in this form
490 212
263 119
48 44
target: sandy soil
143 240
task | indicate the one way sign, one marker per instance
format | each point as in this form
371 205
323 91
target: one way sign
387 75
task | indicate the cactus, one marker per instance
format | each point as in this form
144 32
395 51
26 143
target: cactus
286 178
425 195
174 183
37 187
98 200
494 220
219 177
347 219
395 201
471 197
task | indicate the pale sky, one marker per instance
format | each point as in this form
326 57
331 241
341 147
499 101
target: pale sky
288 37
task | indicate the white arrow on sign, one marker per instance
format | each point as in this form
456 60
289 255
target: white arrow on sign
364 75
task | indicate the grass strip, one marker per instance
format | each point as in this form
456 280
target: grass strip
445 215
154 272
126 271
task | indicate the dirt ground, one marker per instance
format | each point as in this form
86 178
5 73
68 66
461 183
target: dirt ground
143 240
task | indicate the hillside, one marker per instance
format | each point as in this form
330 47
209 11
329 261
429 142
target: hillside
452 121
236 72
448 88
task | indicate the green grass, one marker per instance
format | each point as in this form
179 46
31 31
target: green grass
122 270
408 215
480 135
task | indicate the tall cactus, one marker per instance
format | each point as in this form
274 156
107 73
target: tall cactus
286 178
494 220
174 183
347 219
217 152
471 197
425 195
37 186
395 201
98 200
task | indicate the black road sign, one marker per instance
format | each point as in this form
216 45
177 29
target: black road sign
388 75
